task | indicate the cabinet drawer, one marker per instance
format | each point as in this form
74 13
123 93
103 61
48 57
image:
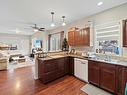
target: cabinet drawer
50 66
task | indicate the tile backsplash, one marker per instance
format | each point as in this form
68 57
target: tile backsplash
83 49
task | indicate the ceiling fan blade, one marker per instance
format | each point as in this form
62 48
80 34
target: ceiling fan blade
42 28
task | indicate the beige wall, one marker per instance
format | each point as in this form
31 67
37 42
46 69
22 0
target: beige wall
41 36
114 14
22 42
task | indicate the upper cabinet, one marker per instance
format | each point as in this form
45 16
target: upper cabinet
80 37
71 38
125 33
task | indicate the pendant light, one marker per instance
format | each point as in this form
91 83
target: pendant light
52 23
63 22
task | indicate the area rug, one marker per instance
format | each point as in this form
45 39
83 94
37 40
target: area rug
92 90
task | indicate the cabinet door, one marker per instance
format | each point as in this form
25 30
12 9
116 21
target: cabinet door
71 66
108 77
77 38
50 66
119 80
124 79
47 70
93 72
61 66
71 41
66 61
125 33
86 37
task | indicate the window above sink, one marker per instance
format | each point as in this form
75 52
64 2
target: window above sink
108 38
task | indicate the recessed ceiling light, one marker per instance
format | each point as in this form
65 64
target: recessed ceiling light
100 3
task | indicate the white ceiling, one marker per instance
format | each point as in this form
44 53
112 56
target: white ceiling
20 14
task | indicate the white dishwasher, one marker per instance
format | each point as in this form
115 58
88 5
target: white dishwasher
81 69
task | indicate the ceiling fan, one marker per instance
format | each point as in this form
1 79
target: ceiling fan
36 28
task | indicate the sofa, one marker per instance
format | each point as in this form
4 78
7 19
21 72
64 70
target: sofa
3 63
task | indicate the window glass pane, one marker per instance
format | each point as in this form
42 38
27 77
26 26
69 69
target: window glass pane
109 46
55 42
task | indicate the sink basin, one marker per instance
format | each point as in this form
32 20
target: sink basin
113 61
108 61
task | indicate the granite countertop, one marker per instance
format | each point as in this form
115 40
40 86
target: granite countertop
52 57
115 62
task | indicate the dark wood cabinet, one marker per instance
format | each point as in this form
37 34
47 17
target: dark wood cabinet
124 33
71 66
124 79
93 72
79 38
108 77
119 80
105 75
49 70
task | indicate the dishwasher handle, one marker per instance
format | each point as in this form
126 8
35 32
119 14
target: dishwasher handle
80 61
83 62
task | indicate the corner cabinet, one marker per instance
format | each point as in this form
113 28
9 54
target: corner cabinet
124 33
82 37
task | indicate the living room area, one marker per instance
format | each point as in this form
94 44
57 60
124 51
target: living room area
15 51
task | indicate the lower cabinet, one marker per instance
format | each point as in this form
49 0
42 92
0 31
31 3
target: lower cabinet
93 72
71 66
49 70
124 80
108 77
102 75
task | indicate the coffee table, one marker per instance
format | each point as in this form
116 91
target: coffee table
19 60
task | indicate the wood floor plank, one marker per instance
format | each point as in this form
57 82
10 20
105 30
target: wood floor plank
21 82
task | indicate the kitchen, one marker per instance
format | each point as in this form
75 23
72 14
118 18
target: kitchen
105 71
91 61
72 50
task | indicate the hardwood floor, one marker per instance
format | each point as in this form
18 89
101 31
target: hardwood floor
21 82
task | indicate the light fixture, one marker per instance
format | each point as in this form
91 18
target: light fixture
99 3
52 23
35 30
63 23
